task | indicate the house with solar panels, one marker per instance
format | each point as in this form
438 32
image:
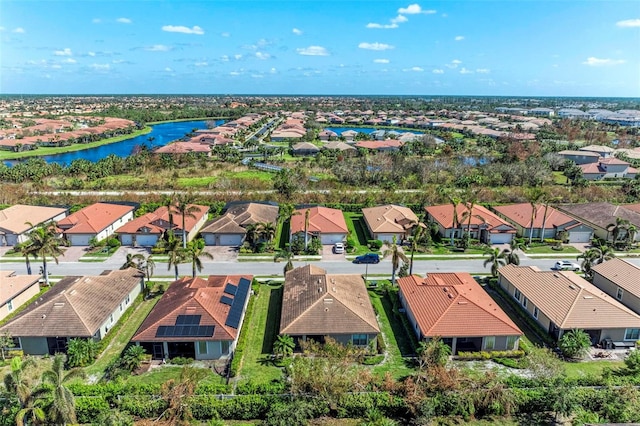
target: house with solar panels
197 318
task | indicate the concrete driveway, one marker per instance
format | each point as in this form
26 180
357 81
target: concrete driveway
329 255
222 253
73 253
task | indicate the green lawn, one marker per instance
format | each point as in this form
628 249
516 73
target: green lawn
589 368
123 336
263 328
283 235
549 249
559 178
398 343
196 182
358 231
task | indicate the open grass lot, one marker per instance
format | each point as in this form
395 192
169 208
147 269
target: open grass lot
589 368
263 328
162 374
196 182
359 232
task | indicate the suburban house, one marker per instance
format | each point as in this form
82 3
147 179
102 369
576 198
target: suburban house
316 304
610 168
99 221
16 290
147 229
325 223
580 157
600 215
76 307
184 148
620 279
197 318
381 146
454 307
349 135
389 221
601 150
231 228
327 135
486 226
342 147
561 301
13 221
553 221
304 148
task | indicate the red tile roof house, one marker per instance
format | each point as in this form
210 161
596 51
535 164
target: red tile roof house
16 290
197 318
13 221
561 301
381 146
316 304
147 229
554 222
85 307
454 307
184 148
98 221
486 226
608 168
325 223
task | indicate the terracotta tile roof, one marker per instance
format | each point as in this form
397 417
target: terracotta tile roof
443 214
389 143
14 218
135 226
454 304
600 214
622 273
183 148
568 299
158 221
93 219
75 306
322 220
314 302
591 168
239 216
613 160
12 285
390 218
192 296
521 214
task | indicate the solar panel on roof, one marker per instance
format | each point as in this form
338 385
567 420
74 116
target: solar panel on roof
239 301
226 300
185 331
188 319
230 289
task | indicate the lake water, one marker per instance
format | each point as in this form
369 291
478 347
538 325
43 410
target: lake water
162 134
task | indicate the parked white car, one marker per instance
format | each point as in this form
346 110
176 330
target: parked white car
565 265
338 248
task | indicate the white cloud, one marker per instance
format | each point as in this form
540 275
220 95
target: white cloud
234 73
70 61
91 53
96 20
381 61
19 30
273 71
627 23
313 51
598 62
414 69
459 38
375 46
414 9
202 64
237 57
296 31
454 63
224 58
483 70
100 67
382 26
262 55
2 28
399 19
438 71
64 52
167 69
182 29
465 71
158 48
124 20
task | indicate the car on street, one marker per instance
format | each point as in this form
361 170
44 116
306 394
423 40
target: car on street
565 265
367 258
338 248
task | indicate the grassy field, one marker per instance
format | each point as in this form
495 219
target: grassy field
589 368
263 328
358 230
10 155
548 250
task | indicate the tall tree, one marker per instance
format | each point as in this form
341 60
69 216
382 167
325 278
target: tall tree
185 209
175 252
418 230
496 259
148 267
268 230
26 250
535 196
397 256
63 407
283 346
167 201
285 255
133 260
16 383
589 258
194 254
454 200
45 242
618 228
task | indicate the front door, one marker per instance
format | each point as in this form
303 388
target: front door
158 351
57 345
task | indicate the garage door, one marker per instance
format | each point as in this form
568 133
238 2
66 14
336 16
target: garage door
230 240
126 239
579 237
331 238
79 240
501 238
146 240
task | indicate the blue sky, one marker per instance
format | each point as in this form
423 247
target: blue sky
481 47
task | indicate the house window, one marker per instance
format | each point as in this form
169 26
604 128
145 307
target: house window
489 343
359 339
127 300
10 305
632 334
619 294
202 348
517 294
16 343
524 302
511 342
121 307
111 318
224 345
535 312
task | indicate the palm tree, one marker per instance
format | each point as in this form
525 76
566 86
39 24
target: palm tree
535 197
185 209
16 383
268 230
175 252
496 259
468 215
285 211
454 200
617 228
167 201
45 242
396 257
511 257
283 346
285 255
589 258
133 261
25 250
148 267
418 229
194 253
63 408
306 227
605 252
253 235
630 236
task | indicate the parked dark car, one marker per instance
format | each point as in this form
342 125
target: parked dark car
367 258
